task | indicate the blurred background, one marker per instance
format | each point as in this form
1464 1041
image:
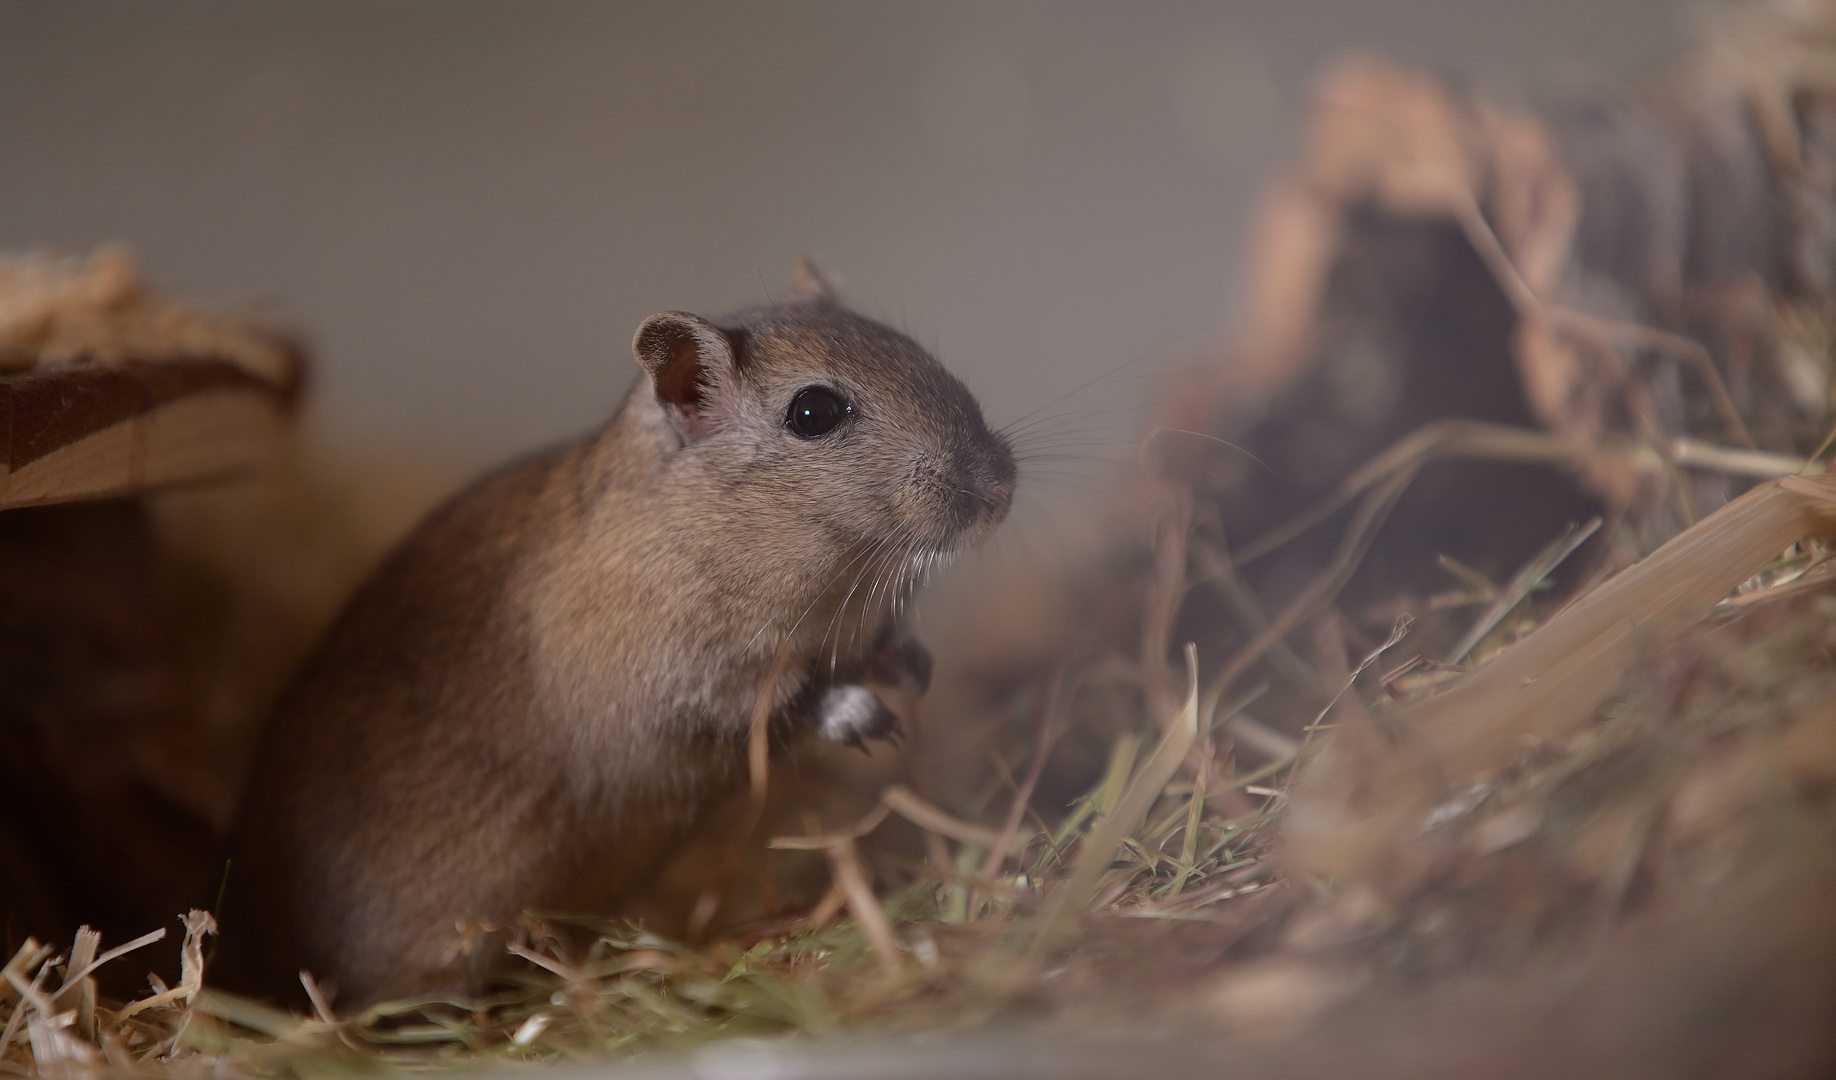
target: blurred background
467 207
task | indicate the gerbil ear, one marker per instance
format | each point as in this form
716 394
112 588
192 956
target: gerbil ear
808 283
686 355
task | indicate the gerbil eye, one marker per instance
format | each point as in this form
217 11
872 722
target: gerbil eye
815 411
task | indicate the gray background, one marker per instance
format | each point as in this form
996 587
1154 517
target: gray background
468 206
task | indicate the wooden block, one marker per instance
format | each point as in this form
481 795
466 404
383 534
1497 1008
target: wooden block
85 432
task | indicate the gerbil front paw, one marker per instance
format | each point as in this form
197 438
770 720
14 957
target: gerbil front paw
851 714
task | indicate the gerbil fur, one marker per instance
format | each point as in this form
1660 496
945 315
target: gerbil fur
530 702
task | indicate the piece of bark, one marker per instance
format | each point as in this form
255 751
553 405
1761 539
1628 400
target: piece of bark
111 773
107 390
92 432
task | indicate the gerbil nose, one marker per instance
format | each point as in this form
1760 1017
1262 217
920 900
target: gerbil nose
987 480
980 498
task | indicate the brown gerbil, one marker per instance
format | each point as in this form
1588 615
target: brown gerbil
531 700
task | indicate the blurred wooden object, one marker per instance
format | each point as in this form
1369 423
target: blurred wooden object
111 779
106 390
95 432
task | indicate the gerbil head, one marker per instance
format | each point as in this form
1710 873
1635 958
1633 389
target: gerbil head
808 410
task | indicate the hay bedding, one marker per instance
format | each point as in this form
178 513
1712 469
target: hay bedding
61 312
1505 740
1693 800
1668 851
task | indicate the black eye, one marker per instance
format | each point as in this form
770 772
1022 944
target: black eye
816 411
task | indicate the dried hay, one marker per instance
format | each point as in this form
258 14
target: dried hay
1506 815
61 311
